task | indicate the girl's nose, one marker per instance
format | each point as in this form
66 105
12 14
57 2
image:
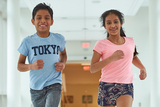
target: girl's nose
112 25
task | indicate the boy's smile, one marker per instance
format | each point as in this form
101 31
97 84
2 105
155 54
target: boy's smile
42 22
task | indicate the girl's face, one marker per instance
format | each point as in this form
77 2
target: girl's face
113 25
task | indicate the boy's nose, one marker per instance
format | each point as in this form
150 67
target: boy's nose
43 20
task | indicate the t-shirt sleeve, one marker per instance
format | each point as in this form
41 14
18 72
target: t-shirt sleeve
131 40
63 42
23 47
98 47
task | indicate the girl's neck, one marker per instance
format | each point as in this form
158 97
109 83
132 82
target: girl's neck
116 40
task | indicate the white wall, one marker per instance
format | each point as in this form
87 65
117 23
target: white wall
3 55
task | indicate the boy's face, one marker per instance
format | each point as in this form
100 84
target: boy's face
42 21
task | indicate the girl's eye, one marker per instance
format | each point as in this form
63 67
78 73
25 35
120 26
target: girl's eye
116 22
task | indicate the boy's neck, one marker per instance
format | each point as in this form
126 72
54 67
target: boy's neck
43 34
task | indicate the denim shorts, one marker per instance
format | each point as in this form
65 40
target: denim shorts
47 97
109 92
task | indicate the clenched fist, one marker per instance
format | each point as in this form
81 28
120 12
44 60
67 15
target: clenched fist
37 65
143 74
59 66
117 55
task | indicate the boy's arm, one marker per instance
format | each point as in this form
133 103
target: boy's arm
22 67
63 58
139 65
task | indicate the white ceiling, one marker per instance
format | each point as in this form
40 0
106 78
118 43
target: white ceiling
79 19
88 8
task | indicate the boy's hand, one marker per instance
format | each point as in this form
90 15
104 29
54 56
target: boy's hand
37 65
59 66
143 74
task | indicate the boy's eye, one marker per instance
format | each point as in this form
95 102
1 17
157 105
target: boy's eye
38 17
108 23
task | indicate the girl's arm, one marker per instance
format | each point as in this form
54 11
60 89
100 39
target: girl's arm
97 65
139 65
22 67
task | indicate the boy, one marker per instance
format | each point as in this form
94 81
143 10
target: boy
47 57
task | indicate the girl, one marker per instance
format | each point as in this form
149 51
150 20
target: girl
117 53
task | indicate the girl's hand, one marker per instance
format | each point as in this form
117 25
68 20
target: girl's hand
143 74
59 66
117 55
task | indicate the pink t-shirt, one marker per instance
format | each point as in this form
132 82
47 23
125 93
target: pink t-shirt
119 71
